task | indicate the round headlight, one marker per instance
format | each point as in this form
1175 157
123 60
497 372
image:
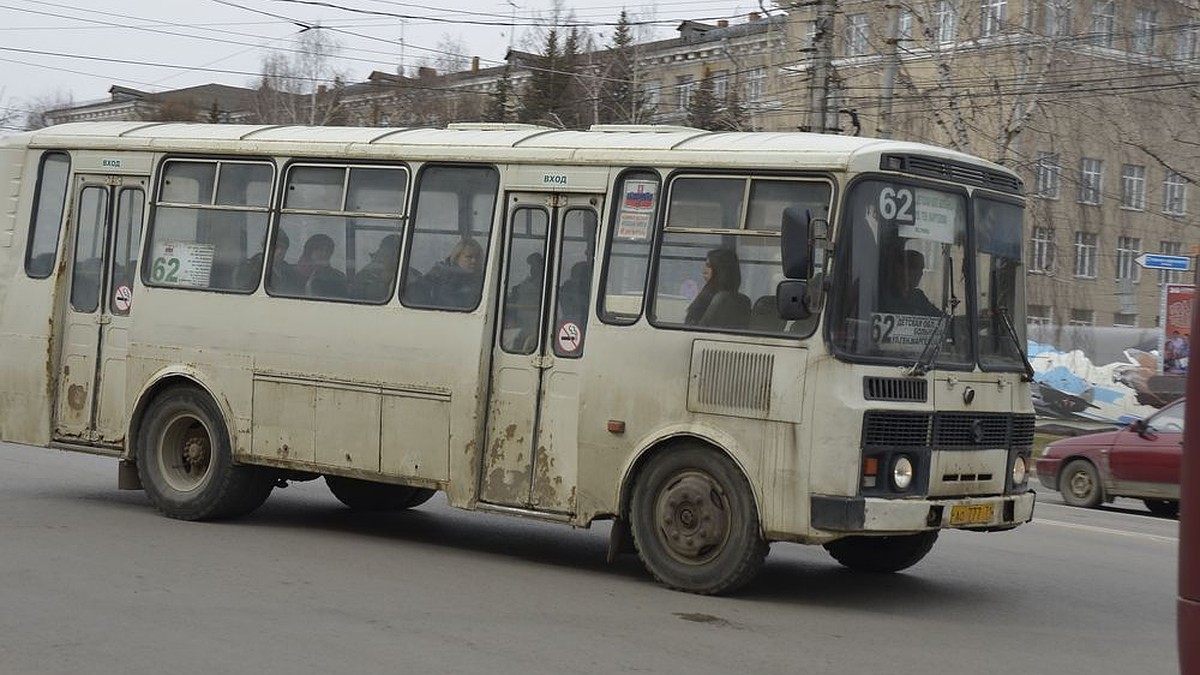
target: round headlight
1020 470
902 472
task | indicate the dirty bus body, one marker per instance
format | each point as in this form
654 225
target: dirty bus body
692 334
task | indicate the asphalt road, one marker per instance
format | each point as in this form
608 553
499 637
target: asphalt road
93 580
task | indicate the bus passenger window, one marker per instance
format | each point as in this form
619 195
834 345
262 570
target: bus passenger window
628 257
47 215
451 233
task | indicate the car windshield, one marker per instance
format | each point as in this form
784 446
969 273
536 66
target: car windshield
900 288
1169 419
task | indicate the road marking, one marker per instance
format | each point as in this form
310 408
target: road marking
1108 530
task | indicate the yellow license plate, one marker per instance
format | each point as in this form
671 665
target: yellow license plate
973 514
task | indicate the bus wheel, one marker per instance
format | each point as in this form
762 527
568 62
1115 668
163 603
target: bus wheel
364 495
185 461
694 522
882 554
1079 484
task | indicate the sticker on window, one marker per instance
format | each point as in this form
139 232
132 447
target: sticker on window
637 209
570 338
123 298
182 263
901 332
920 214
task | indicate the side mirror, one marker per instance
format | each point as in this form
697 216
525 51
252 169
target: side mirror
791 300
795 242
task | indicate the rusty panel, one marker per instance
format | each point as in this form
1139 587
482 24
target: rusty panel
284 421
348 428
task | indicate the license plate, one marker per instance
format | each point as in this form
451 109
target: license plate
973 514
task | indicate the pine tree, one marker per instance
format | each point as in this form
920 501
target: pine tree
704 110
498 100
621 99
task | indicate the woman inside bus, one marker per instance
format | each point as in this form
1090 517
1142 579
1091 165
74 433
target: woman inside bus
719 304
314 271
456 281
374 280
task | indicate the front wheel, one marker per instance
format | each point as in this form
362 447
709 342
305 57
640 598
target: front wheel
1080 484
882 554
185 460
695 523
362 495
1163 508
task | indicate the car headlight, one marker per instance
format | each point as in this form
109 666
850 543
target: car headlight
902 473
1020 470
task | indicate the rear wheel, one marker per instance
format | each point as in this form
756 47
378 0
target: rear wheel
185 460
363 495
695 523
1164 508
882 554
1080 484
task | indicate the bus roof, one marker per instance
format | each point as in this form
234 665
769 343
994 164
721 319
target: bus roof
602 144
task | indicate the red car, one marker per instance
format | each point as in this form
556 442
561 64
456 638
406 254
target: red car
1139 461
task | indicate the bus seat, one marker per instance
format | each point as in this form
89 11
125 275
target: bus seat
728 310
764 315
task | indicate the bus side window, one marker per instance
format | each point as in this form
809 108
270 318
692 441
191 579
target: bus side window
48 208
451 232
627 258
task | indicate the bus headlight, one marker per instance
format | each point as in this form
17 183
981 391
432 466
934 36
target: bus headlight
1020 470
902 473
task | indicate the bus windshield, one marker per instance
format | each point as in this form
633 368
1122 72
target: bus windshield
903 287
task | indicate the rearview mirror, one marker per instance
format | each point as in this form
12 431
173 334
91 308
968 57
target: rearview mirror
791 299
795 243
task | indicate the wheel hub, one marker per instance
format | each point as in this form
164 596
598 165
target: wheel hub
693 517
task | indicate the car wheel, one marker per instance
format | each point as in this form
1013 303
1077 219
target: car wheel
882 554
1080 484
1163 508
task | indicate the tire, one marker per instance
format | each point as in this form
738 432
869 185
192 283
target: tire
363 495
882 555
1080 485
694 521
1163 508
185 460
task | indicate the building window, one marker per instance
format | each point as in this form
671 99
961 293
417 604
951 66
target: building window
684 86
1145 25
1058 18
1185 44
1170 248
756 79
1101 30
1082 317
991 17
651 91
1133 187
1124 320
1128 249
720 84
1174 194
904 25
946 21
1090 172
1041 250
1085 255
856 34
1038 315
1049 175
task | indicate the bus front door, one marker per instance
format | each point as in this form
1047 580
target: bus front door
530 460
102 259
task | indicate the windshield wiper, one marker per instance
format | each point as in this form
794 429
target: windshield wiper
1016 339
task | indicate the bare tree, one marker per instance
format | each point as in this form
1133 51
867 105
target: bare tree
38 109
302 86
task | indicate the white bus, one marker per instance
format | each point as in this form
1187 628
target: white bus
715 340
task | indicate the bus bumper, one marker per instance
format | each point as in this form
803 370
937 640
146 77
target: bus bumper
865 515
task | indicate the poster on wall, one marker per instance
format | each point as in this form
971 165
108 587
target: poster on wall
1175 342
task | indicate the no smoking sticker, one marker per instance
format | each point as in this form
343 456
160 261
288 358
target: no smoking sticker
123 298
570 338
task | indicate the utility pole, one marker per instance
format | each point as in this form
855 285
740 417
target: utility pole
818 85
891 57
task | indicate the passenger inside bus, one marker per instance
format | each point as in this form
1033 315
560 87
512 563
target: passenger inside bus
901 293
719 303
374 280
574 292
456 282
316 273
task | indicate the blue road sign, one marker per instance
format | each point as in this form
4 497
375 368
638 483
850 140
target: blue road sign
1160 261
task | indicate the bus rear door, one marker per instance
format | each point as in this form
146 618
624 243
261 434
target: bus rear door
530 459
104 236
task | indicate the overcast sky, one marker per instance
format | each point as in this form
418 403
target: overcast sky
80 48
